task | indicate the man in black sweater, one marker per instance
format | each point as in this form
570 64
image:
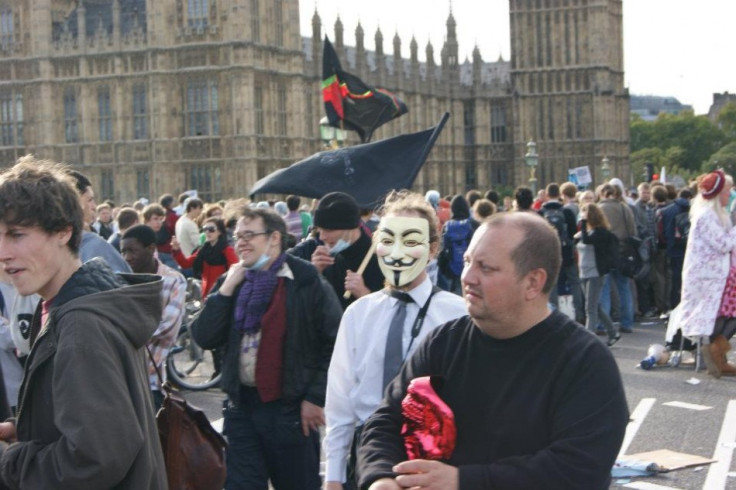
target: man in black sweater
538 401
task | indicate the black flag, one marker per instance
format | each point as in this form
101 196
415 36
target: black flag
367 172
350 103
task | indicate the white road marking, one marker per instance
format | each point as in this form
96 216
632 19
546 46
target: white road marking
642 485
638 416
689 406
217 424
718 471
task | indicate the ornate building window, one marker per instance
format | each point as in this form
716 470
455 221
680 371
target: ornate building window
469 122
11 119
143 182
140 115
71 130
6 28
498 124
197 13
258 109
104 113
278 17
281 108
310 116
108 186
255 17
201 108
98 18
132 16
207 179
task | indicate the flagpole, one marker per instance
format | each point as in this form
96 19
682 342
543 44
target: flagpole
363 265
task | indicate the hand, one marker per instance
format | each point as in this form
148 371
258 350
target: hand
175 244
235 275
385 484
321 258
333 485
7 432
355 284
431 475
312 417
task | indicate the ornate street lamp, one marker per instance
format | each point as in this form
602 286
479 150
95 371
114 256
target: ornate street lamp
605 168
532 160
331 137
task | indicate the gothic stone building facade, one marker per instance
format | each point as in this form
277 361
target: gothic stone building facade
148 97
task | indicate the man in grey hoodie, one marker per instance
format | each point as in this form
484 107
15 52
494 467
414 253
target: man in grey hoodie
85 415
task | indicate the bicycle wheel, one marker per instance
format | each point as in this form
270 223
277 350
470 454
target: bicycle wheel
189 366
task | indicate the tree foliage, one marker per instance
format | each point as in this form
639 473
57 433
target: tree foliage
724 158
683 143
727 120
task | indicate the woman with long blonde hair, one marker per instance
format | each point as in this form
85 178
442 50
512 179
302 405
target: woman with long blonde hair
707 262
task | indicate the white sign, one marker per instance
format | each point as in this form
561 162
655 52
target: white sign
580 176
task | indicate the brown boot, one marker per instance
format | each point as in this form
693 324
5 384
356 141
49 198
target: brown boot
724 346
713 359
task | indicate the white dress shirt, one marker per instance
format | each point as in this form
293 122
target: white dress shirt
355 376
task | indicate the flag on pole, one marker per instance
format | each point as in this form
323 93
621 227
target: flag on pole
663 176
350 103
367 172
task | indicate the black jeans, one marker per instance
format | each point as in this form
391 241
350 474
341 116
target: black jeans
265 441
676 264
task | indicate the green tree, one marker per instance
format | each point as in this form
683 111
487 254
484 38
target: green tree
641 133
724 158
685 140
727 120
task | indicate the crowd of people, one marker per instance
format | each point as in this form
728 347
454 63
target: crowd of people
325 314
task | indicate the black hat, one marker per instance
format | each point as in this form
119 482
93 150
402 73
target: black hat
337 211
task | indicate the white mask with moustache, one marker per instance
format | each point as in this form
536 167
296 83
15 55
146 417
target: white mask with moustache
402 247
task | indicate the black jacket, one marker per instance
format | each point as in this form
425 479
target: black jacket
568 257
605 246
312 318
348 259
679 205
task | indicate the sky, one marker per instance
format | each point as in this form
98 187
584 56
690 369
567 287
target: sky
680 48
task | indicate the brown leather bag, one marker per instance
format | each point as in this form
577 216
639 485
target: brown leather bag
194 452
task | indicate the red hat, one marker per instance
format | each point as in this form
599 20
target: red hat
712 184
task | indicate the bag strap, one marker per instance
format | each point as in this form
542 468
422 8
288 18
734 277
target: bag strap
165 386
174 426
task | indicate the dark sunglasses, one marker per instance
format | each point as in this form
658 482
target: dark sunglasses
209 229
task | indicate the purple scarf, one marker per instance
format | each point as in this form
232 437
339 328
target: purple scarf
255 295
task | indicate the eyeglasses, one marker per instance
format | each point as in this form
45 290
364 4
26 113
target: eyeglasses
209 229
247 236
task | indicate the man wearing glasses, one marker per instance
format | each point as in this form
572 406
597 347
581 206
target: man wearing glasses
277 319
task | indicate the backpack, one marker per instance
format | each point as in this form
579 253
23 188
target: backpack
682 230
457 239
556 217
659 226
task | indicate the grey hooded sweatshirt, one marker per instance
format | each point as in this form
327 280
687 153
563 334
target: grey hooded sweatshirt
85 417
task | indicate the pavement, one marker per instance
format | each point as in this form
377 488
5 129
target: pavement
673 408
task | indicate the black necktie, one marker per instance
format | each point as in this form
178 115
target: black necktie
393 356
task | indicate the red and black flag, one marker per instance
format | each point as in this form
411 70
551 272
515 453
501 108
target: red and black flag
350 103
